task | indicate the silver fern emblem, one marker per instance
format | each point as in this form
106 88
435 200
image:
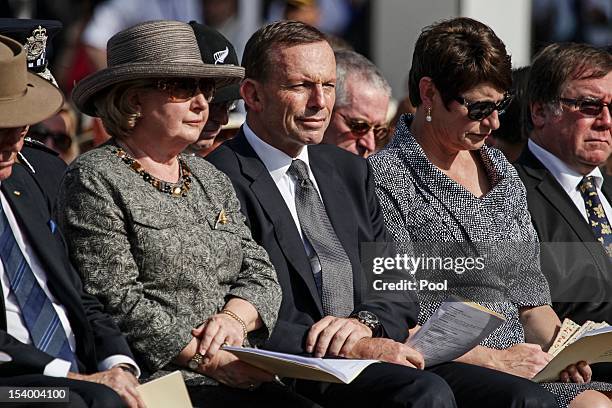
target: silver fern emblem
220 56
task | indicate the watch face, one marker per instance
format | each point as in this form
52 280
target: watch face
368 318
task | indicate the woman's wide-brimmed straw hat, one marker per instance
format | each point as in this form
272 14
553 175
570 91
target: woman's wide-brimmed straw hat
25 98
155 49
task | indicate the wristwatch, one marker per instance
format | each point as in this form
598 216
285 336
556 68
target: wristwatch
128 368
369 319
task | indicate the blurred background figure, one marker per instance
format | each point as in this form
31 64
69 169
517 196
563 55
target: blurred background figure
511 136
306 11
588 21
397 109
112 16
330 16
362 100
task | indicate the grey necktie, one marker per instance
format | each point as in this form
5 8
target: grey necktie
336 270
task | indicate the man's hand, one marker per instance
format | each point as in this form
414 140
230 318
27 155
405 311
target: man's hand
227 369
523 359
335 336
122 382
577 373
387 350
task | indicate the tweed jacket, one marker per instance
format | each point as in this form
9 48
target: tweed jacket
161 265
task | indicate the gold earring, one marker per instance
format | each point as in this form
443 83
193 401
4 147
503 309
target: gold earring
428 114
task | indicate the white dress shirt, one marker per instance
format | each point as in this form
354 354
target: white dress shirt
570 179
277 163
14 321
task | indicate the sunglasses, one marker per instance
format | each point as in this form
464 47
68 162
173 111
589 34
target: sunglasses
481 109
61 140
183 89
362 127
589 107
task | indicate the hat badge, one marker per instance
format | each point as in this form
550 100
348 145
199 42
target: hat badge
36 44
220 56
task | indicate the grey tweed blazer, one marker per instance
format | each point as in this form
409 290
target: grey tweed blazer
162 265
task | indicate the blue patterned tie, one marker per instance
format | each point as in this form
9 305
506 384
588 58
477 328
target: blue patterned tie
336 270
597 216
38 313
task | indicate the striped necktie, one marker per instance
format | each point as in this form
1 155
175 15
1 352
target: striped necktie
39 316
596 214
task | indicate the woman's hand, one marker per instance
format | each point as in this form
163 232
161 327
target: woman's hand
577 373
523 359
227 369
217 330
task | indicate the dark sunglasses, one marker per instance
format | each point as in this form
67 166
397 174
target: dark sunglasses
589 107
183 89
362 127
61 140
481 109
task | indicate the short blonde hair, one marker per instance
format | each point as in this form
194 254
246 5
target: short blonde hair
119 116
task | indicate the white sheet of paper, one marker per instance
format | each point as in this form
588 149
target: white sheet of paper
453 330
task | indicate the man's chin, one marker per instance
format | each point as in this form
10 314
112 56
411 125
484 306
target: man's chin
5 172
205 141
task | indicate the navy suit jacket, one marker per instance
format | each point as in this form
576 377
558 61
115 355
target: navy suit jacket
346 186
579 272
97 336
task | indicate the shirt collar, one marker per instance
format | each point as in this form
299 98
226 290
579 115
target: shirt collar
276 161
565 175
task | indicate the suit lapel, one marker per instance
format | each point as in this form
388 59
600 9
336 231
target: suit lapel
21 193
552 191
273 204
606 188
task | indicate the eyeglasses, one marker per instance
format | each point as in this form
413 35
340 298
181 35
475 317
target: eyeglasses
61 141
361 127
481 109
183 89
589 107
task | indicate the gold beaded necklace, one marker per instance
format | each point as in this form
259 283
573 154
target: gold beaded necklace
175 190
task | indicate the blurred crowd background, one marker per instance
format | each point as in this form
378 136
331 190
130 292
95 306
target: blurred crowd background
382 30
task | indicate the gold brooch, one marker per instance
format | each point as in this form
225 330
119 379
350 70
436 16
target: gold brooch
222 218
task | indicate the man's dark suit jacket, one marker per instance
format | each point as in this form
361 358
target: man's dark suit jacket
346 185
578 272
45 165
97 337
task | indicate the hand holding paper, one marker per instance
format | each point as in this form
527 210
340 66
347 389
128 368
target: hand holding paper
389 351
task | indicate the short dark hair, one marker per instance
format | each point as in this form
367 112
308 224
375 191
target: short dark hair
511 127
256 59
458 54
557 64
